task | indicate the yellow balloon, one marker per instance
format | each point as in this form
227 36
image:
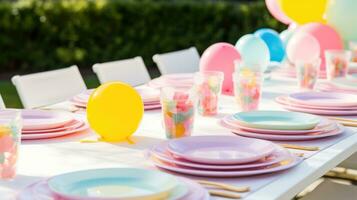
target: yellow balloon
304 11
114 111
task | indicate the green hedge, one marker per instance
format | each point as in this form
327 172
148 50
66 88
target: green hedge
41 34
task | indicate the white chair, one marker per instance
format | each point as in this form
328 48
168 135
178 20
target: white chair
2 104
131 71
47 88
183 61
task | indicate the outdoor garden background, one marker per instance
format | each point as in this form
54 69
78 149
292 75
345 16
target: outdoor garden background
39 35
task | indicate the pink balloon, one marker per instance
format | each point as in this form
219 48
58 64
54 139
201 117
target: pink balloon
221 57
327 37
303 47
276 11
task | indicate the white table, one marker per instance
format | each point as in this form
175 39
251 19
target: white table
42 159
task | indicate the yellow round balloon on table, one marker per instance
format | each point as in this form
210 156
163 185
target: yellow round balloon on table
304 11
114 111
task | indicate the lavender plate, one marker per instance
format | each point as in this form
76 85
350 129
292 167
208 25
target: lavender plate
283 165
324 99
160 152
220 149
285 100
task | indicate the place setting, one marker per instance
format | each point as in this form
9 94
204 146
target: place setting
45 124
150 97
173 80
114 184
320 103
281 125
221 156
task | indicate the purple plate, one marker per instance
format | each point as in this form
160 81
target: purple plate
220 149
310 136
285 100
323 126
160 152
283 165
324 99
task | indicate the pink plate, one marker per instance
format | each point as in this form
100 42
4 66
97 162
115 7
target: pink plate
323 126
286 164
320 111
160 152
324 99
152 107
41 191
178 80
285 100
220 149
310 136
54 134
71 125
44 119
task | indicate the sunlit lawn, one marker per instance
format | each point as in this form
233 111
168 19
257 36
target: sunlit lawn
9 94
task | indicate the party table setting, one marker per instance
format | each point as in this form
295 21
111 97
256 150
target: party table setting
227 131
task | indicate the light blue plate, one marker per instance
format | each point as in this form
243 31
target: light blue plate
114 183
277 120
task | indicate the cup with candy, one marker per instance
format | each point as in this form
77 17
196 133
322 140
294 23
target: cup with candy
178 110
10 139
208 85
247 83
337 62
353 48
307 73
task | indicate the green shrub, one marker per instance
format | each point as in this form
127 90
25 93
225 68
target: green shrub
41 34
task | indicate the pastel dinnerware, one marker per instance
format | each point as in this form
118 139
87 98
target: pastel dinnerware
277 120
309 136
220 149
160 152
283 165
43 119
113 183
323 126
324 99
186 190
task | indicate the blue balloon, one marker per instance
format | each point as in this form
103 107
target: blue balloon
254 52
274 43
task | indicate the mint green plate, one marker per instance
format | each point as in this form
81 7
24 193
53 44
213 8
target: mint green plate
276 120
116 183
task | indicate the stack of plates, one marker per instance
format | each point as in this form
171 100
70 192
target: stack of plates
290 71
320 103
43 124
346 85
150 96
281 125
114 184
173 80
221 156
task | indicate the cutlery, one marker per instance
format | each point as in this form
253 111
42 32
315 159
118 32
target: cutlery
299 147
224 194
345 122
224 186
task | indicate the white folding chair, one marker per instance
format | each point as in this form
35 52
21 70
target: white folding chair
131 71
183 61
2 104
47 88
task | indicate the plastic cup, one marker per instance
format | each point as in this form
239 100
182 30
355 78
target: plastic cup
307 73
178 110
247 89
353 48
10 139
208 86
337 62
